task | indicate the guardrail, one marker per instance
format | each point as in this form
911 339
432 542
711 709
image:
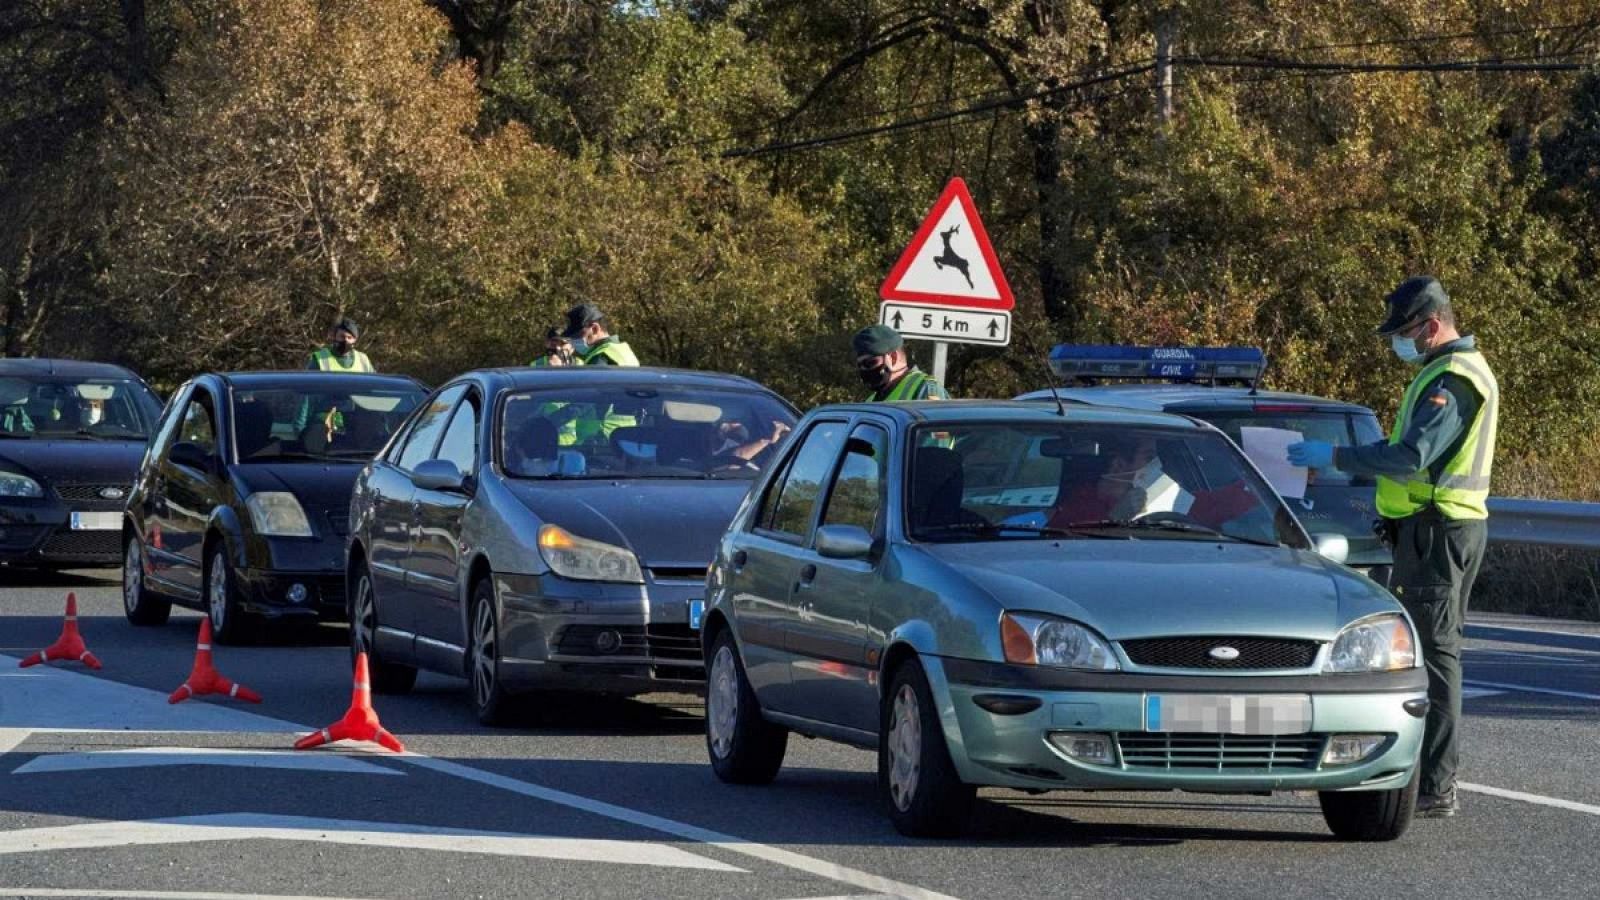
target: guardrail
1546 523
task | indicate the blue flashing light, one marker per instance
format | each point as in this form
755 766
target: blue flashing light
1170 363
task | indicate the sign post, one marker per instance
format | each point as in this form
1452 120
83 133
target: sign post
947 286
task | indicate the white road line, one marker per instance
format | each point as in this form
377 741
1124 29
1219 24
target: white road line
1539 799
727 842
140 757
1588 636
12 738
1473 693
257 826
28 893
1530 689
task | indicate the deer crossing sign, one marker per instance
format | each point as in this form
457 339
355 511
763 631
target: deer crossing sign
947 285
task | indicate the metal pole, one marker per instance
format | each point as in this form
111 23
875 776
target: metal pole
941 355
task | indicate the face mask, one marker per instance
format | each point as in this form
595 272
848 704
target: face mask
580 346
342 348
875 377
97 414
1144 476
1405 348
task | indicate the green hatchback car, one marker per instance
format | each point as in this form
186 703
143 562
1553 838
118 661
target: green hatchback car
1053 598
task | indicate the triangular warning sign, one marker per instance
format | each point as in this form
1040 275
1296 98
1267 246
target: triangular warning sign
950 260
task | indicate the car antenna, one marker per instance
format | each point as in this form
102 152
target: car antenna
1061 408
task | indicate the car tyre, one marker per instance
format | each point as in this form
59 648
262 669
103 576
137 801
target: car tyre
744 747
229 623
490 699
1370 815
917 782
387 677
140 604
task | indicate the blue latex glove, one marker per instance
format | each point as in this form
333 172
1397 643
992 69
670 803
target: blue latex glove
1311 455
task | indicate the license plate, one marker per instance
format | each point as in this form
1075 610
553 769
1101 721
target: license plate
697 611
96 521
1228 713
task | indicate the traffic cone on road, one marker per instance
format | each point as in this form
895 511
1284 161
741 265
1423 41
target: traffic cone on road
360 722
67 647
204 677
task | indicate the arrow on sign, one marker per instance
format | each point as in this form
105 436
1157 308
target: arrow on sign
896 323
994 327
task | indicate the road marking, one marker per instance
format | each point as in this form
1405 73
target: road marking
152 895
1529 689
1474 693
726 842
257 826
12 738
338 763
1539 799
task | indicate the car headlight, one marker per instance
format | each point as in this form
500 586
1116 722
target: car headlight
1376 644
277 514
13 484
581 559
1046 641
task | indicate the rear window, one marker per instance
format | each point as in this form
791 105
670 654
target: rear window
1336 427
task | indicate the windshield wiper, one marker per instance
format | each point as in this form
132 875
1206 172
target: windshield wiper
13 436
992 528
1170 525
292 456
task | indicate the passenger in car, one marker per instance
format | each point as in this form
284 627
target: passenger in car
1134 483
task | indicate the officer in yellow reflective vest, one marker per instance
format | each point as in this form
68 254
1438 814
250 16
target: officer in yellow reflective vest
341 354
557 352
593 342
1433 491
884 368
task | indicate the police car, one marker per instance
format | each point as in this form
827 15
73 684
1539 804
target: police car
1218 385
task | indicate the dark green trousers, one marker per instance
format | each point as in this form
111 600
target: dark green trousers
1436 560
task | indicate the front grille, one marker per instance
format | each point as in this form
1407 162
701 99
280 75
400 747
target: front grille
20 537
331 591
678 573
673 642
1195 653
83 544
87 496
1220 752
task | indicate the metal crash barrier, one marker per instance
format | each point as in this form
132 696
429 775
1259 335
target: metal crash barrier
1547 523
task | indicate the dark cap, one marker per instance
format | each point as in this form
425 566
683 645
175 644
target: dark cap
581 317
348 324
877 340
1415 298
554 334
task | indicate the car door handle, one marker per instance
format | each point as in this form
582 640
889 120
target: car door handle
808 573
739 559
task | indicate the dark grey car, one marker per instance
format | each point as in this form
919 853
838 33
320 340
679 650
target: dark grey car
551 528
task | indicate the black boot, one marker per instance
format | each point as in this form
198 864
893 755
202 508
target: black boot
1438 806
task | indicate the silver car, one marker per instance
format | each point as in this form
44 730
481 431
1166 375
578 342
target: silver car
551 528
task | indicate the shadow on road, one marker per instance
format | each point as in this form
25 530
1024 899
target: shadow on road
69 580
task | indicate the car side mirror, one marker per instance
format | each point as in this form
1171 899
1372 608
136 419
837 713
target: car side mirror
191 456
1332 547
843 542
439 475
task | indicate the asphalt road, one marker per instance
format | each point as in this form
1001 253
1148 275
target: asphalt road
106 790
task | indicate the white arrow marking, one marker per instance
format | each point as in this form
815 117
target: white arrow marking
257 826
195 756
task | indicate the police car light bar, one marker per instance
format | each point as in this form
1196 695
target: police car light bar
1170 363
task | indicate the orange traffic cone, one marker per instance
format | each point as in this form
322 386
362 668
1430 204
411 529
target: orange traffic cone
67 647
205 679
360 722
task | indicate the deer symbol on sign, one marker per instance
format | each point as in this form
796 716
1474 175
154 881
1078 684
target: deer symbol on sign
949 257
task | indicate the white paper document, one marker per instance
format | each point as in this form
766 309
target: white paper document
1268 448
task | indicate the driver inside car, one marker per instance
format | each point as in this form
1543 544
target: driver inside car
1134 484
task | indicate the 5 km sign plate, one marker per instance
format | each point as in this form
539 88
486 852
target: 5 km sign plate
945 323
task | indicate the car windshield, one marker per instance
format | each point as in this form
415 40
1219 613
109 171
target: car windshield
317 424
656 431
992 482
59 408
1339 428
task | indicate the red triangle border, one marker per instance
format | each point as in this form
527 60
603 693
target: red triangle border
955 191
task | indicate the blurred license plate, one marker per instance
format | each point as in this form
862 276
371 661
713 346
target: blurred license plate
96 521
697 611
1228 713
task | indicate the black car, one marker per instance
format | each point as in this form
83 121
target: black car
71 435
241 507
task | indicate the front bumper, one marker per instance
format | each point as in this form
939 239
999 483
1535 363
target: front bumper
39 532
607 638
990 748
267 592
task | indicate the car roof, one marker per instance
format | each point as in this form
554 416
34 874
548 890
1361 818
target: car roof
67 368
298 379
539 376
956 411
1190 398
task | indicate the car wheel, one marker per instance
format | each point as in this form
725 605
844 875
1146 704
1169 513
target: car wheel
387 677
490 699
229 624
917 782
744 747
139 603
1370 815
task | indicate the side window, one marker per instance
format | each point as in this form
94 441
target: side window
428 426
168 425
460 444
199 425
857 494
802 485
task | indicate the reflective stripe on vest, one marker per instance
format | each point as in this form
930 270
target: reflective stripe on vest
327 362
1462 490
908 387
618 352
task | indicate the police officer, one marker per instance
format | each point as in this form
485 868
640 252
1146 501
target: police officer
557 351
341 354
592 342
883 366
1433 487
